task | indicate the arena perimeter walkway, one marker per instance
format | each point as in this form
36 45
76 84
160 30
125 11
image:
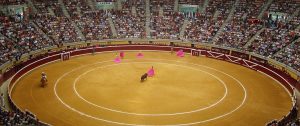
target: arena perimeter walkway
93 90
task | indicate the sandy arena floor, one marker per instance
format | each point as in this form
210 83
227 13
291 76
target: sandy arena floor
93 90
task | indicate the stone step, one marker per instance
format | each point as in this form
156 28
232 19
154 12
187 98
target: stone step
119 4
282 49
176 5
64 10
161 11
133 10
230 16
266 6
182 30
78 31
148 8
30 4
41 31
112 27
51 12
92 4
204 6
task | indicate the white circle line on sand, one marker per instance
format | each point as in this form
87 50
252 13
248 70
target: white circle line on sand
162 114
127 124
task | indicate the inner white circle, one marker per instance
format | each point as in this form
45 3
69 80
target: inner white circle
147 114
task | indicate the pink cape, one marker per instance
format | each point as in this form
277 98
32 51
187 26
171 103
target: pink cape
140 55
150 72
117 60
180 53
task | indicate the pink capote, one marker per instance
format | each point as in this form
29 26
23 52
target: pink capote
180 53
140 55
117 59
151 72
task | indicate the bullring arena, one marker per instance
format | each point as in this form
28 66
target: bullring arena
149 62
92 89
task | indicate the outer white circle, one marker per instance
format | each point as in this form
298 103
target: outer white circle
127 124
162 114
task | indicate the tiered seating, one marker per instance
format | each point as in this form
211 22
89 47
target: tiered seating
284 6
94 25
10 118
105 0
290 56
203 28
71 6
139 4
271 41
6 50
166 27
129 26
192 2
56 7
42 5
242 27
59 29
25 34
167 5
83 5
12 2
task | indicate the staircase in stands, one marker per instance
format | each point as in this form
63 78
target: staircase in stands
40 31
230 16
183 28
176 5
253 38
112 27
147 27
66 13
92 4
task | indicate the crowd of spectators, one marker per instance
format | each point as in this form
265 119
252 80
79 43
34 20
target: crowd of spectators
278 34
204 26
60 29
271 40
129 26
129 5
243 26
76 7
288 120
17 118
167 26
19 37
167 6
49 27
290 56
191 2
284 6
12 2
94 25
6 48
41 6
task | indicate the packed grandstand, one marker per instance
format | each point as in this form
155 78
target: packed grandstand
265 27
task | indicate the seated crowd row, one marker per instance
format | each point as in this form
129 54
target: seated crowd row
226 23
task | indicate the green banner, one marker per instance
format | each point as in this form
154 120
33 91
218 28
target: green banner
186 8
